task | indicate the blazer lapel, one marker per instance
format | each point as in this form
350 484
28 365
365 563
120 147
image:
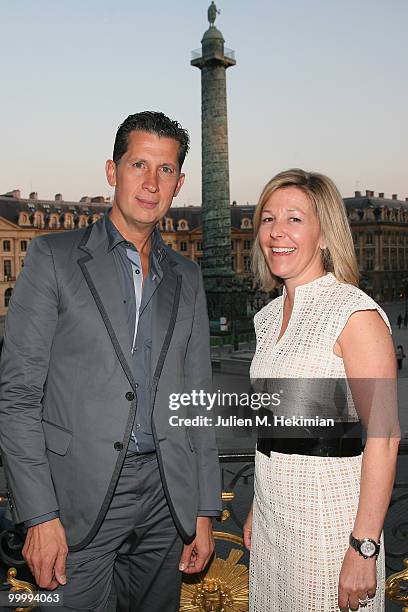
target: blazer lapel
165 306
100 273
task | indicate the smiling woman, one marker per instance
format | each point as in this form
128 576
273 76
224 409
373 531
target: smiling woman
310 205
319 502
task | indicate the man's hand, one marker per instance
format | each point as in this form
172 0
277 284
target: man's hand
45 551
196 555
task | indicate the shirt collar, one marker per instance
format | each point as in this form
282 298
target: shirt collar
114 235
157 252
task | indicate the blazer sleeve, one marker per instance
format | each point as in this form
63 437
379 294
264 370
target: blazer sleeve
29 330
197 375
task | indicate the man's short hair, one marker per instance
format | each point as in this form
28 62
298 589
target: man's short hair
154 123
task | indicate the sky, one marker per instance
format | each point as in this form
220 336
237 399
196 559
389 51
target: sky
320 85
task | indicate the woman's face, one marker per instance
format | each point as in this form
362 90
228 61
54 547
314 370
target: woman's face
289 236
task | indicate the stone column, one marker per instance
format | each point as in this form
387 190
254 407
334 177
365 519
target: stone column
213 62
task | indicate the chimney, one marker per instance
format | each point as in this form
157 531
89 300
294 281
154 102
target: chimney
58 197
33 195
395 196
368 192
357 194
381 194
15 193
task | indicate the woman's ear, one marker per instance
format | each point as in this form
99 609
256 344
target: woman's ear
322 243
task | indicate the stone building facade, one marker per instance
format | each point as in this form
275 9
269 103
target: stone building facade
380 232
21 219
379 226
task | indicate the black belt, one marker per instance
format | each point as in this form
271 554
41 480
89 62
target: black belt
317 447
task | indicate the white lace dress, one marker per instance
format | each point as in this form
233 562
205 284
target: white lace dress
305 506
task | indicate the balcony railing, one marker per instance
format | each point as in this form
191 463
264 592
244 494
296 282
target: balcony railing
198 54
237 479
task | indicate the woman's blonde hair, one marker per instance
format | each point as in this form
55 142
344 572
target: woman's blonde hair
339 256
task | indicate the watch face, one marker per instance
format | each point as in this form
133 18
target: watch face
368 548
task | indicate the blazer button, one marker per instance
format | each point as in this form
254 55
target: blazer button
130 396
118 446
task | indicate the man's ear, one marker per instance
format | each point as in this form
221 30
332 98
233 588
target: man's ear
180 183
110 170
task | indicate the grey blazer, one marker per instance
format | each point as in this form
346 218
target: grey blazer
68 396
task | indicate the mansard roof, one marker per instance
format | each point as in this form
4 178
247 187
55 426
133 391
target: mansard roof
10 208
374 202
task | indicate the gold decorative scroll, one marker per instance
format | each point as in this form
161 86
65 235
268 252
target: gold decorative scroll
393 587
20 585
222 588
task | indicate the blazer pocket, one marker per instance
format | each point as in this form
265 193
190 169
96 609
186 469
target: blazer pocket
57 439
189 440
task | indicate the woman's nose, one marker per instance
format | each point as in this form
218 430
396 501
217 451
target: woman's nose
277 229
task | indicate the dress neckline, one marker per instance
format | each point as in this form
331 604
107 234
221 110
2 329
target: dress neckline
323 280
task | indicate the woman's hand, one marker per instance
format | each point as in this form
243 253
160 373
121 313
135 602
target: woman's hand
358 579
247 530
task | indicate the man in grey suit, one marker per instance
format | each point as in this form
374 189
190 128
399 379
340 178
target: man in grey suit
104 323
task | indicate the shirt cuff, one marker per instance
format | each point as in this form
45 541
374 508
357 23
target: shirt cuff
37 520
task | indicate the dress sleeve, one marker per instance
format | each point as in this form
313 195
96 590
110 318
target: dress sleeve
354 303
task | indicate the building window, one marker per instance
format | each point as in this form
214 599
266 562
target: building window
369 239
199 246
169 244
6 245
232 245
53 222
200 261
247 264
7 268
23 245
247 245
22 263
233 264
7 296
68 221
182 225
38 220
183 247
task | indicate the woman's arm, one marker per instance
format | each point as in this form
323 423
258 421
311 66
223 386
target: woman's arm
368 354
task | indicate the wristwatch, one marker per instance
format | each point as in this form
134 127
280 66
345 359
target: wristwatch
366 547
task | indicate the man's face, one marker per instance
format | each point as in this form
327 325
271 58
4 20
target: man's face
146 179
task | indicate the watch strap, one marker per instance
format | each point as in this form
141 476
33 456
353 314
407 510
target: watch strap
356 544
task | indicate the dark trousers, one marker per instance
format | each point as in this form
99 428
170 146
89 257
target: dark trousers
137 548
